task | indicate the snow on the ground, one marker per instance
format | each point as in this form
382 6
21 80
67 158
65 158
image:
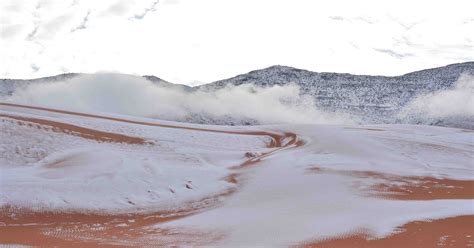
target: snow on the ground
279 201
283 202
45 169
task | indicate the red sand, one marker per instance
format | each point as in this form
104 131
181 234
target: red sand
20 226
449 232
410 187
83 132
71 229
276 138
90 230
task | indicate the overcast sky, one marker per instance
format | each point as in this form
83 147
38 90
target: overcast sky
197 41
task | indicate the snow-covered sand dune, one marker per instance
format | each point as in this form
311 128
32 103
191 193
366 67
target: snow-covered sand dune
77 179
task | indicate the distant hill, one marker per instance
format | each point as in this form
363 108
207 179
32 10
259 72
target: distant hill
366 99
8 86
372 99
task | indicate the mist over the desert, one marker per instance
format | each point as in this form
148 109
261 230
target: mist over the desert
237 123
134 95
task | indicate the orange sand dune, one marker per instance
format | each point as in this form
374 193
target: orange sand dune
83 132
276 138
449 232
278 141
71 229
24 226
410 187
27 227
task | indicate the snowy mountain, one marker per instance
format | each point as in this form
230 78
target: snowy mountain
368 99
433 79
8 86
433 96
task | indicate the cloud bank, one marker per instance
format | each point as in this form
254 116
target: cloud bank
449 106
133 95
170 37
239 105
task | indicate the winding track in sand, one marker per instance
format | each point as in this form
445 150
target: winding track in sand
70 129
276 138
81 229
16 229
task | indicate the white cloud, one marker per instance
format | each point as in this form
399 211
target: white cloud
206 40
120 8
450 103
133 95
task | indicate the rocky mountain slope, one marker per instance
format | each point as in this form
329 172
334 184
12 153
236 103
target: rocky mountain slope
364 99
374 99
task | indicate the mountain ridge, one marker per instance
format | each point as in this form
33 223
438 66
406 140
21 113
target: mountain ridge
155 78
366 99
